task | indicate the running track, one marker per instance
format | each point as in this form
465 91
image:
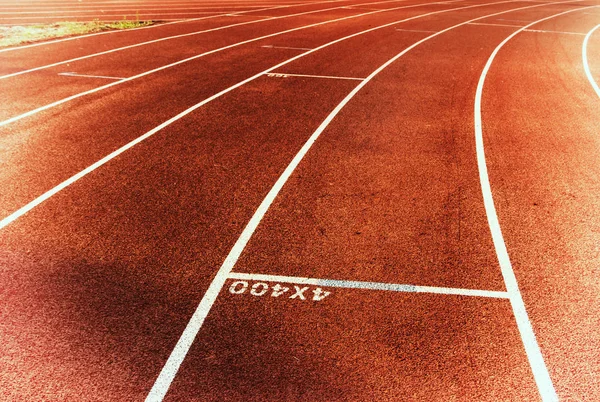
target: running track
325 200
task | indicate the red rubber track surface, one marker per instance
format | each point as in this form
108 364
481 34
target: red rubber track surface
99 281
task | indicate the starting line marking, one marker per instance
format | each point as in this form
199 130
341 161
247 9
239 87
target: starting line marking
414 30
90 76
284 75
393 287
495 25
285 47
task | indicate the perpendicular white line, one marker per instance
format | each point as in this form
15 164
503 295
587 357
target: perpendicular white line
179 62
532 349
286 47
313 76
10 49
91 76
169 370
495 25
586 63
555 32
414 30
392 287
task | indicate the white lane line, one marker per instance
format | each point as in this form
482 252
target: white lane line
586 63
172 37
508 20
169 370
284 75
286 47
160 25
495 25
555 32
414 30
134 77
532 349
91 76
392 287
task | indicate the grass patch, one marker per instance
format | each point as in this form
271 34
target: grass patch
19 35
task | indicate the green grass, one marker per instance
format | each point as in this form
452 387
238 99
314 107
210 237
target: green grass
18 35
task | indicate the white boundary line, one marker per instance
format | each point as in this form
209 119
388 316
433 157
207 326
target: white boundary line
100 88
237 24
184 343
392 287
534 354
284 75
586 63
10 49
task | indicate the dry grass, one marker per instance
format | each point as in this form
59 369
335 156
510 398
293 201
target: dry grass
18 35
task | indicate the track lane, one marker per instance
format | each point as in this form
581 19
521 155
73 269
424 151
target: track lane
542 173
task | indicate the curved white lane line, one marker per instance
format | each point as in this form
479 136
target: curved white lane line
536 360
11 49
586 63
145 73
89 56
168 372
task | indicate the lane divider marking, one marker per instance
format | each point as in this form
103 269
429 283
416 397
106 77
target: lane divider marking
586 63
532 349
392 287
90 76
285 75
169 370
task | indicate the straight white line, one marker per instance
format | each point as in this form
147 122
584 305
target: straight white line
504 19
586 63
178 37
169 370
532 349
285 47
392 287
100 88
414 30
160 25
91 76
495 25
313 76
556 32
